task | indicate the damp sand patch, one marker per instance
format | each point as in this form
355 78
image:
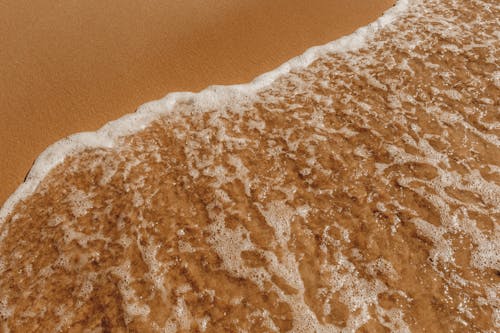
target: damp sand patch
356 187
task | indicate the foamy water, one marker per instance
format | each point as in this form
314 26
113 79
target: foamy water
356 188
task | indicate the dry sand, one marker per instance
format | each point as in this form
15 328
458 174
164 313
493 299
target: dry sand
358 193
72 66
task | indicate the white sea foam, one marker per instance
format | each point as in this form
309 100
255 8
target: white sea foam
216 96
342 164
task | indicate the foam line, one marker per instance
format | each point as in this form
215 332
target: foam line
108 135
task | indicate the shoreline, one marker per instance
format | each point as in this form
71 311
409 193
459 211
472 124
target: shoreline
133 122
81 65
353 188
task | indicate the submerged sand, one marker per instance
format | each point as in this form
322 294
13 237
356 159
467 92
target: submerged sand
358 194
72 66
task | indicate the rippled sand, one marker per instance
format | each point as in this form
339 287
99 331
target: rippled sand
361 193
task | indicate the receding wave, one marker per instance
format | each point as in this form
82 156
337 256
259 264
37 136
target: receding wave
356 188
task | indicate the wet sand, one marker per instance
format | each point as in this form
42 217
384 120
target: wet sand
359 192
72 66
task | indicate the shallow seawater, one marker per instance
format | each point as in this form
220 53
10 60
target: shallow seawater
359 194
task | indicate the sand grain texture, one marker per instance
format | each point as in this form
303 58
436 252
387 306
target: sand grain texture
358 194
72 66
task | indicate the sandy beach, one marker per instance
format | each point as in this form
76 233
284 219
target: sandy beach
354 188
69 67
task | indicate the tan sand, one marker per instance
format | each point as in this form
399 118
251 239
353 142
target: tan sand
360 193
72 66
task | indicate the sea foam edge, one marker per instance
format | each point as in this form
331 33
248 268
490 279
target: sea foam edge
107 136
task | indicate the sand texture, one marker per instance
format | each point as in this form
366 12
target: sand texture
358 194
72 66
